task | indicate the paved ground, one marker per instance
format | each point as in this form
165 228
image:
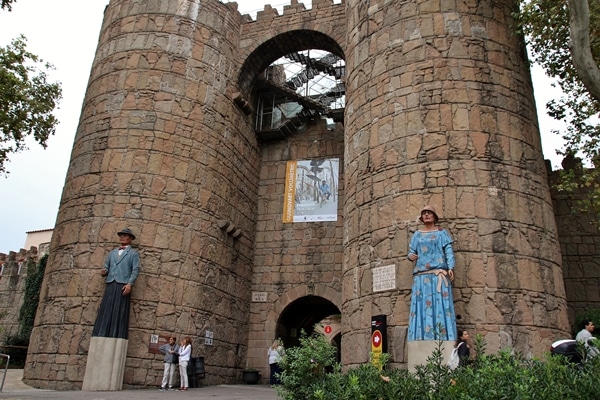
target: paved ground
15 389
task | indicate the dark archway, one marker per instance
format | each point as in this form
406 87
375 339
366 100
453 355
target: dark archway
302 315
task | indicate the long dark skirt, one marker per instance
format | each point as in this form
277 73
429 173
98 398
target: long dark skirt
113 316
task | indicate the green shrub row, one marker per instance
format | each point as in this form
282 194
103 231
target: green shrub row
310 372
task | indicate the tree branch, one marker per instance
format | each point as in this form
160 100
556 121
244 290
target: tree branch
587 70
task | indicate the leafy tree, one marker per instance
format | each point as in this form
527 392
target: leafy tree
564 38
27 99
7 4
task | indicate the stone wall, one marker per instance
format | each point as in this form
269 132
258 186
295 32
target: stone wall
162 149
439 110
12 288
580 246
292 260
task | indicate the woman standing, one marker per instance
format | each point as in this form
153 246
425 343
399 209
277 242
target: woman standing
275 353
432 314
463 348
185 352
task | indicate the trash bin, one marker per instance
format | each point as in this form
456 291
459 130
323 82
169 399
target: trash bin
567 348
195 371
199 367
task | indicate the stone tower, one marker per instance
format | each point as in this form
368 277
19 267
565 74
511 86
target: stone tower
439 110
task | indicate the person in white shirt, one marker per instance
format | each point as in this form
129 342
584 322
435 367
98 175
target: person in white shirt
185 353
585 336
275 354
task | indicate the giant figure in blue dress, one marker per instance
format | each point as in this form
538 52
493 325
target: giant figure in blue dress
432 314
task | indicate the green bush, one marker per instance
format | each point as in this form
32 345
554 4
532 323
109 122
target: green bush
305 366
505 375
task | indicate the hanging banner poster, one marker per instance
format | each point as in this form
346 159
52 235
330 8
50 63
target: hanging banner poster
311 190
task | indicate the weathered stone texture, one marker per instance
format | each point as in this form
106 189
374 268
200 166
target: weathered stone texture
579 246
474 154
12 287
291 260
151 153
439 110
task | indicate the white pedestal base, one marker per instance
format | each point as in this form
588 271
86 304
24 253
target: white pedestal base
105 364
420 350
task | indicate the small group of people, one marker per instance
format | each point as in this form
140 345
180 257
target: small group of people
176 355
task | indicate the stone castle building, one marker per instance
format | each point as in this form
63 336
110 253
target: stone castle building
187 133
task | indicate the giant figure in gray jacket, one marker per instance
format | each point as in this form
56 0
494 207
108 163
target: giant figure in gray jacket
121 269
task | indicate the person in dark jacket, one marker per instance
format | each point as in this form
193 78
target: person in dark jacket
463 348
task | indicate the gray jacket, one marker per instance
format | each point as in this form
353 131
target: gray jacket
165 348
124 269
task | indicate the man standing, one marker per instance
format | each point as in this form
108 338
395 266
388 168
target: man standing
108 345
585 336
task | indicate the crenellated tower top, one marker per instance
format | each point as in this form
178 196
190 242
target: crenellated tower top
295 7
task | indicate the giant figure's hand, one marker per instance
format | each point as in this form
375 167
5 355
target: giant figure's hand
126 289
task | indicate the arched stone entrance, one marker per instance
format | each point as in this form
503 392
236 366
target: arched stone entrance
303 315
297 309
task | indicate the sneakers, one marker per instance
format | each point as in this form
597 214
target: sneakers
162 389
171 388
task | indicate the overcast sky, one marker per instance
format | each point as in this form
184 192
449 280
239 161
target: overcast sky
65 33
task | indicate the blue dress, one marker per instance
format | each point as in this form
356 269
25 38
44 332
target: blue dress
432 314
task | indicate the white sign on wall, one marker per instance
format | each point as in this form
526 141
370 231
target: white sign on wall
259 297
208 338
384 278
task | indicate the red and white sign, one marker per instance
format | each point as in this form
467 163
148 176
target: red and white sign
376 340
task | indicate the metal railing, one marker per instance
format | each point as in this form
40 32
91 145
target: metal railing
2 356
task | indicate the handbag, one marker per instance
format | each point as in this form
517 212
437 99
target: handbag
175 356
454 360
